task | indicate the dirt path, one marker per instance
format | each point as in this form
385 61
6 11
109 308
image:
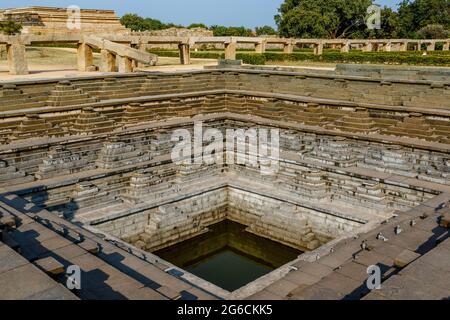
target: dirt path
46 62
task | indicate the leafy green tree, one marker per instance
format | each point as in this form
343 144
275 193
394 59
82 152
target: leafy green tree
137 23
265 30
433 31
172 25
153 24
197 25
133 21
10 27
322 18
221 31
416 14
390 27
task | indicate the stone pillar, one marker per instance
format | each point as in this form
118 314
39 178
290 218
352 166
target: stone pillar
17 61
260 47
367 46
135 63
124 64
288 47
230 51
318 48
419 46
403 46
85 57
388 47
345 47
431 46
446 46
108 61
185 53
143 48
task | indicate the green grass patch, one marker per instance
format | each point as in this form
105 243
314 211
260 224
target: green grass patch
248 58
433 58
396 58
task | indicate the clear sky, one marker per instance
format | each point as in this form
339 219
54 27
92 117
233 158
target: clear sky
249 13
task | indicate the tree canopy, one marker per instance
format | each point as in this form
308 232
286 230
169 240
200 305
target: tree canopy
197 25
433 31
417 14
231 31
10 27
346 18
265 30
321 18
137 23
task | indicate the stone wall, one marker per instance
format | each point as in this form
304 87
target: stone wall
274 219
177 32
355 91
97 150
50 20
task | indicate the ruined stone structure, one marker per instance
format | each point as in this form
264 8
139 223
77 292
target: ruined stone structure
49 20
177 32
131 48
358 156
50 25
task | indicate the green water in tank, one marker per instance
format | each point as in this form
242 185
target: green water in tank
228 256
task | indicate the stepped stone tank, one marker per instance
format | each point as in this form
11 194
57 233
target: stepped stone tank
355 152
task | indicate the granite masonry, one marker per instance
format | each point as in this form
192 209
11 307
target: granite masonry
357 154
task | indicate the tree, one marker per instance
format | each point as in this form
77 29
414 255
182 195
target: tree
133 21
322 18
221 31
265 30
433 31
172 25
10 27
137 23
390 27
197 25
416 14
153 24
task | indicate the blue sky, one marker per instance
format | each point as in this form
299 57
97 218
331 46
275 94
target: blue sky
249 13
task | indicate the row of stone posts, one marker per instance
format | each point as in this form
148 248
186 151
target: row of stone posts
366 46
109 61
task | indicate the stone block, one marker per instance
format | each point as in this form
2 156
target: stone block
139 244
405 258
8 221
50 265
313 245
445 220
169 292
9 259
90 246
